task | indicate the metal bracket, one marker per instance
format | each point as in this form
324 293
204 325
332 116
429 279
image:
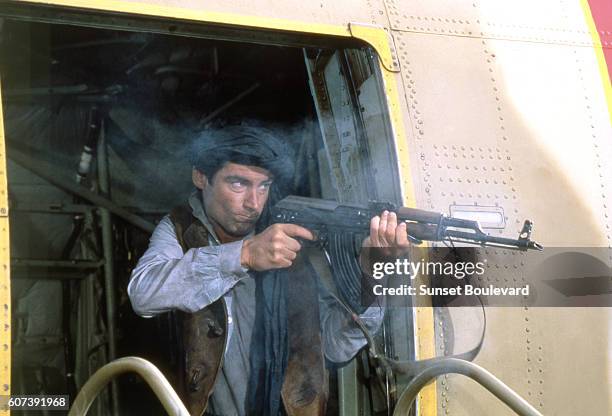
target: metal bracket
381 40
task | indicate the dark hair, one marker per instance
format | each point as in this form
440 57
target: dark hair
244 145
213 162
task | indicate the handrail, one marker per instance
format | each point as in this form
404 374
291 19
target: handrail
468 369
151 374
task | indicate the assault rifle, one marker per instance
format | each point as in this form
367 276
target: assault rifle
340 229
328 218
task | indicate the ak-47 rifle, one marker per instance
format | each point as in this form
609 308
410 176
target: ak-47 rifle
337 225
325 218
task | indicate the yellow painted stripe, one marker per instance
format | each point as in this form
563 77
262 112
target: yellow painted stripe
379 42
427 400
5 282
424 320
144 9
601 60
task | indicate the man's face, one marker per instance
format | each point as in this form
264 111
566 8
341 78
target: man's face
234 198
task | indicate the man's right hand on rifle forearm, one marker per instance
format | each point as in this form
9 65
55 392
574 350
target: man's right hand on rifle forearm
274 248
389 238
386 232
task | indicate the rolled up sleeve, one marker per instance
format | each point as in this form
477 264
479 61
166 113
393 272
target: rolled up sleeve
165 278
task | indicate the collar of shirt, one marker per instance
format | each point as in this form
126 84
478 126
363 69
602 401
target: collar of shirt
197 208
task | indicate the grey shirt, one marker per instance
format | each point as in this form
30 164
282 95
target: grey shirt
165 278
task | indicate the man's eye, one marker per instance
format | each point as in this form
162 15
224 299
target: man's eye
237 186
264 186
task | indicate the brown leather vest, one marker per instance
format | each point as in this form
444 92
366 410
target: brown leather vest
203 336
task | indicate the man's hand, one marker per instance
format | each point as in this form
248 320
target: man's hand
385 232
274 248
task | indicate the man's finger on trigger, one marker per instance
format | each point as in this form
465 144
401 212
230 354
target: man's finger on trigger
294 230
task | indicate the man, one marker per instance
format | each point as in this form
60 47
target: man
250 271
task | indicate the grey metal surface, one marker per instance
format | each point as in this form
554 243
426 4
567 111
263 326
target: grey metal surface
43 170
54 208
151 374
33 269
91 339
109 262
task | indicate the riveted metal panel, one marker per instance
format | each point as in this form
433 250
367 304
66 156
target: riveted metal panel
457 166
499 123
546 18
534 352
549 21
492 119
576 20
319 12
556 121
430 14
